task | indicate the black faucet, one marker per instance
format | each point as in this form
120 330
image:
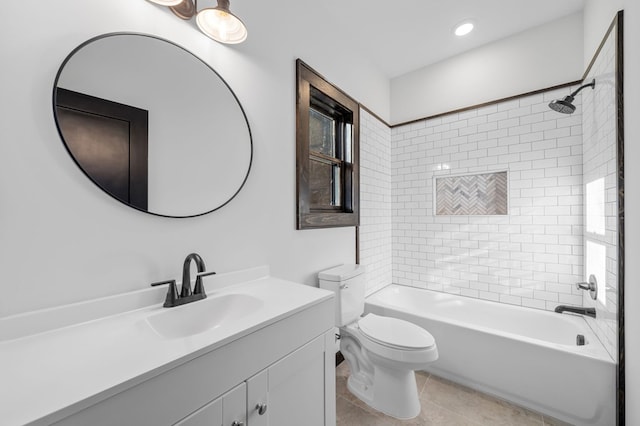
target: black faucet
590 312
186 296
185 291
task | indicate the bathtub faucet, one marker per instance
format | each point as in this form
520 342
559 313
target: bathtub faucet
590 312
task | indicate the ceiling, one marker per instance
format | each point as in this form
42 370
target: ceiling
403 35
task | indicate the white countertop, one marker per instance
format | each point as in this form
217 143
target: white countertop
77 365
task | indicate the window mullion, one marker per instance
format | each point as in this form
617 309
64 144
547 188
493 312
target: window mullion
324 157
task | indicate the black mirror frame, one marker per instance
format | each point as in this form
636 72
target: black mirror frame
54 105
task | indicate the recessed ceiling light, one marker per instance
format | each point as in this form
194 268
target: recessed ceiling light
464 28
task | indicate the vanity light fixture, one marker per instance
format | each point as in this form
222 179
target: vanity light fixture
217 22
463 28
221 25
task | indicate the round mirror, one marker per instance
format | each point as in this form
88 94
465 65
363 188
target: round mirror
152 125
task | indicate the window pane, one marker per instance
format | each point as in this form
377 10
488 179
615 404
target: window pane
337 185
321 133
324 184
348 144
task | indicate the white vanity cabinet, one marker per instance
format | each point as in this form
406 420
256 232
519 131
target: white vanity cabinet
290 392
287 367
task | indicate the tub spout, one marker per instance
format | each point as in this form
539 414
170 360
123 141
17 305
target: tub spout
590 312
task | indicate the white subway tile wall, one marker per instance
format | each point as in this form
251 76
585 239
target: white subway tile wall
600 164
375 201
531 257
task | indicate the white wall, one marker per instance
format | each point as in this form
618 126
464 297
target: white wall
598 15
61 240
542 57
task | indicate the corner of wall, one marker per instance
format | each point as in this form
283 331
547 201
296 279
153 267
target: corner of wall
597 16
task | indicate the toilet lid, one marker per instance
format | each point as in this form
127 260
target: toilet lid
395 332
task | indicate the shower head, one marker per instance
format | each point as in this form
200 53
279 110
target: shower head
566 106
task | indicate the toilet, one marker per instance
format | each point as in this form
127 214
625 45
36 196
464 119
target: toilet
382 352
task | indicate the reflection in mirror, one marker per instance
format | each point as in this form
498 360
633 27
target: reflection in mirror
152 125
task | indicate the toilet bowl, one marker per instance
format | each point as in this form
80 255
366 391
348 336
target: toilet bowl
382 352
382 369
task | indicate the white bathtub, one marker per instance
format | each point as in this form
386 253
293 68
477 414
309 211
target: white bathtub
523 355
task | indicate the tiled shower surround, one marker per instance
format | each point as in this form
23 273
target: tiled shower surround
533 256
530 257
600 174
375 201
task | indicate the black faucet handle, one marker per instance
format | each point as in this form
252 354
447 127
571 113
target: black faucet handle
199 288
172 292
162 282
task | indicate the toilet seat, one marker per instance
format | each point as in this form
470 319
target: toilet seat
414 352
395 333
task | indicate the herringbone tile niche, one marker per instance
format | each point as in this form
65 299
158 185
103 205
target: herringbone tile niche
477 194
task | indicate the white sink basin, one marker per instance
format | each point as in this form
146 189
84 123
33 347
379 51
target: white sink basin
204 315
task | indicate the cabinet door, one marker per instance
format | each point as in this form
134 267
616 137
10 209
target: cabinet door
224 411
258 399
296 388
234 406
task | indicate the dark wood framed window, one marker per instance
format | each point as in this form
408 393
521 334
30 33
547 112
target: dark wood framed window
327 140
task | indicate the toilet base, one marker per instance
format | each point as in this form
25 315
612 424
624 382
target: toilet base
394 392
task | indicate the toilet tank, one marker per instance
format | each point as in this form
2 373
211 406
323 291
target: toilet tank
347 281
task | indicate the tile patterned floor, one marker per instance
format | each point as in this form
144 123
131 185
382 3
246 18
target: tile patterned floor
443 403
